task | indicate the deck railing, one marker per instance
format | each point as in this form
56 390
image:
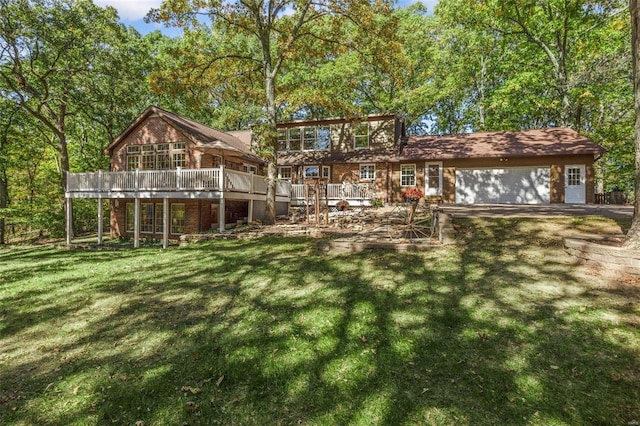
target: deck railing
357 194
338 191
172 180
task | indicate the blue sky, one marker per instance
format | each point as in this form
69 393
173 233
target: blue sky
133 12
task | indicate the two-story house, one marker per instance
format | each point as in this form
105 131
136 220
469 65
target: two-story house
374 158
171 176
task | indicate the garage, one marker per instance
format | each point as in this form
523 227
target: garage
511 185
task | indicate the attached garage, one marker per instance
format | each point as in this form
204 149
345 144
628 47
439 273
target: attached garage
512 185
537 166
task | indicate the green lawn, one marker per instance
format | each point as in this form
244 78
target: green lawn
501 328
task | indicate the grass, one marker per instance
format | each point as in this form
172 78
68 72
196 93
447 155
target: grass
502 328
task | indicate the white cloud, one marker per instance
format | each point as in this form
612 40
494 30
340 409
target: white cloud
130 10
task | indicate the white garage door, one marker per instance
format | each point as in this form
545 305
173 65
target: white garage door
514 185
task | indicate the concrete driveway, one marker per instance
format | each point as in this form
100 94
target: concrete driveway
537 210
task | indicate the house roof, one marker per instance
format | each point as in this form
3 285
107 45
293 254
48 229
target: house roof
203 136
525 143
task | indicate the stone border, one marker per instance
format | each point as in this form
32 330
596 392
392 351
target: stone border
446 236
342 244
611 257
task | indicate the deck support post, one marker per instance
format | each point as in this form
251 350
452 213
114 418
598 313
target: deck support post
250 212
165 223
221 215
136 224
68 219
100 220
221 207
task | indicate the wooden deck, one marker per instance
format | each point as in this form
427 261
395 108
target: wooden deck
212 183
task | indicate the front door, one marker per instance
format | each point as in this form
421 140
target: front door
574 184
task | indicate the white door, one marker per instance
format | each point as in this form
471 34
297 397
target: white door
512 185
574 184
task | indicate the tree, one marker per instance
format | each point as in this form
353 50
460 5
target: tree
633 235
49 51
258 37
7 117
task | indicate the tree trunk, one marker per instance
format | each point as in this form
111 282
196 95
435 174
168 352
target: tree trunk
64 165
633 236
271 139
4 198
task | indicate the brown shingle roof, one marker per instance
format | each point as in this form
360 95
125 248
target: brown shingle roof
525 143
203 136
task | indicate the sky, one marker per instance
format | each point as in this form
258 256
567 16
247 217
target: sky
133 13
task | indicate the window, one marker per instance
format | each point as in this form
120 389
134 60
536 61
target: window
408 175
148 157
158 218
146 219
163 159
284 173
574 177
433 179
216 161
309 138
311 172
177 218
133 157
178 156
361 136
324 139
282 140
156 157
178 160
294 140
367 171
129 219
133 162
249 168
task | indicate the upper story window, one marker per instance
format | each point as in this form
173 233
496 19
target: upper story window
163 159
179 155
282 139
361 136
148 157
309 138
324 139
156 156
293 140
133 157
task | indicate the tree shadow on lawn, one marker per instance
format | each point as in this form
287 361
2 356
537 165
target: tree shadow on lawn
498 329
